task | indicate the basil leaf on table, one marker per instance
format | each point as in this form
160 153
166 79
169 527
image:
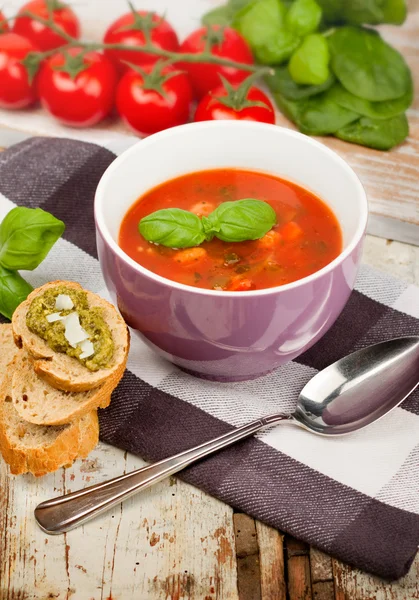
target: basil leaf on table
374 110
262 24
322 116
367 66
374 12
282 82
260 20
26 237
360 12
278 49
303 17
381 134
223 15
241 220
309 65
292 109
394 12
172 227
317 115
13 290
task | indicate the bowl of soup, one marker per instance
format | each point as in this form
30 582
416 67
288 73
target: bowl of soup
223 307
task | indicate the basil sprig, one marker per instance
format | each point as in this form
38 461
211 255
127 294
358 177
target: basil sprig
236 221
26 237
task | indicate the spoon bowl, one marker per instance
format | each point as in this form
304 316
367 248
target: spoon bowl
360 388
348 395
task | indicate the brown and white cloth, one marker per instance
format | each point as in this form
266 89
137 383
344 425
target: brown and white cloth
355 497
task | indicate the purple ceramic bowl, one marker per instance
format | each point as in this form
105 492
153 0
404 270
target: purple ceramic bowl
229 336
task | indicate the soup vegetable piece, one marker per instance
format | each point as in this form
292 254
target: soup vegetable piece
231 229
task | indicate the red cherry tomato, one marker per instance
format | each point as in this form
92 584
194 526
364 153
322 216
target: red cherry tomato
128 30
40 34
211 109
144 108
81 100
15 89
230 44
4 25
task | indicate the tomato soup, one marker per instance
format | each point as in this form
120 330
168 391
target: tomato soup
305 238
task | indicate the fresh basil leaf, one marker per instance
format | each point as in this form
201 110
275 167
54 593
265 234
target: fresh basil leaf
242 220
303 17
382 134
283 83
260 20
363 11
292 109
172 227
26 237
13 290
374 110
394 12
309 65
262 24
321 115
276 50
367 66
360 12
223 15
374 12
332 10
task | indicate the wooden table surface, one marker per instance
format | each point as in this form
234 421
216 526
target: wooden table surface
174 542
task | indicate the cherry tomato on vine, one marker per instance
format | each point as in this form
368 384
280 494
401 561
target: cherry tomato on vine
129 29
154 97
40 34
223 42
4 25
78 88
15 89
219 104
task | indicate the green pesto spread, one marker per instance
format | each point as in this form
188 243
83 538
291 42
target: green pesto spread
53 333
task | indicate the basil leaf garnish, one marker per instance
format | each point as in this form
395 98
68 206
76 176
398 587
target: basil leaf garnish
26 237
13 290
236 221
242 220
172 227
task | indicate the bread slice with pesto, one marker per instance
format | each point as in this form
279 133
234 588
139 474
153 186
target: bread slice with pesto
37 402
39 449
58 357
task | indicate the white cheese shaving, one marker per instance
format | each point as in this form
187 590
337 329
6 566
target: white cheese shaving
63 302
55 317
87 349
74 332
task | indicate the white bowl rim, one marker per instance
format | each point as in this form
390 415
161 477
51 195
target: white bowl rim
101 225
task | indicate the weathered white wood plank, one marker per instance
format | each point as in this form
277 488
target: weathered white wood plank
171 541
271 556
352 584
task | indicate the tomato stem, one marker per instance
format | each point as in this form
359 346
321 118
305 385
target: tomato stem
148 47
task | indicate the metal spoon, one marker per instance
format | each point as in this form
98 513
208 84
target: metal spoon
346 396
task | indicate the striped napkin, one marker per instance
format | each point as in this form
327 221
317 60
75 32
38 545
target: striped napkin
356 497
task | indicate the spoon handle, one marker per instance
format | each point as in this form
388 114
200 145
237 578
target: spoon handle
66 512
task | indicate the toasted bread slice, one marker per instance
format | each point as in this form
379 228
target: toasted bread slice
60 370
8 349
38 402
38 449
